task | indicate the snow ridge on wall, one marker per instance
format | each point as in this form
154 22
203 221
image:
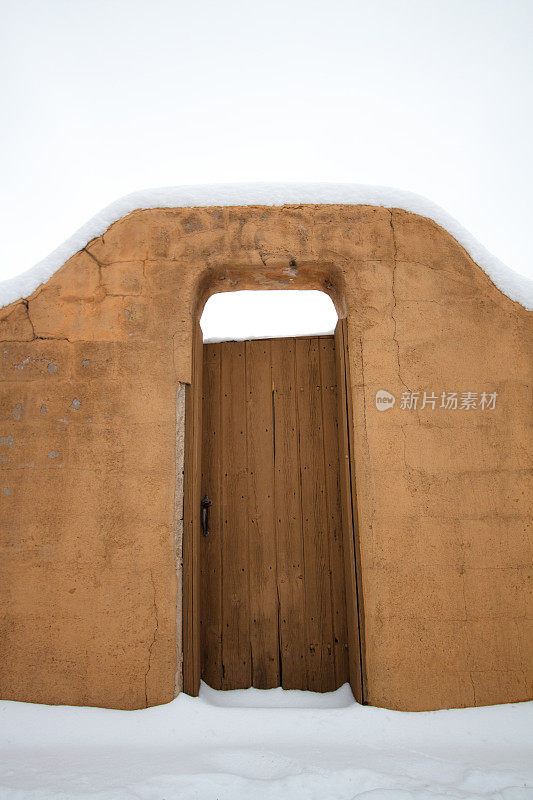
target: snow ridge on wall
515 286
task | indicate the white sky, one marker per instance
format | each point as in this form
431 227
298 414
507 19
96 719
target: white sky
99 99
261 314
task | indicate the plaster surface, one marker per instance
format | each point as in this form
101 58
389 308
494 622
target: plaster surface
91 364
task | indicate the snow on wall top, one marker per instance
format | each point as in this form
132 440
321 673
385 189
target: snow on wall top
515 286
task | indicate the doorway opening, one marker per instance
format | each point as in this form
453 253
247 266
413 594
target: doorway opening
273 593
260 314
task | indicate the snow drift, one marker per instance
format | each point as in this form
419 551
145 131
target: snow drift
266 745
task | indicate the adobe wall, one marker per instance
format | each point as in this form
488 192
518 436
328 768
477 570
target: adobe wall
91 440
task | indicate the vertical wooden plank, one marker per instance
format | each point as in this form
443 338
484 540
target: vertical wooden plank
333 507
264 639
236 663
191 527
349 512
211 545
321 665
290 560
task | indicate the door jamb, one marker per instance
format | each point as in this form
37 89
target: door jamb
350 522
191 520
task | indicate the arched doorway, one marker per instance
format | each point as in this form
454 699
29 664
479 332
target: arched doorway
273 595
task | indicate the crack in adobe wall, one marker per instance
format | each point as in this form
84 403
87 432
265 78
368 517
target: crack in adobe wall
35 336
156 628
363 383
367 445
394 335
101 286
26 304
467 640
84 249
402 428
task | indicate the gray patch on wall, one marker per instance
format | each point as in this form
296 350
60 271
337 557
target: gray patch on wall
178 529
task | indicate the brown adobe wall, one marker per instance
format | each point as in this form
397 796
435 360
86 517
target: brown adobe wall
91 371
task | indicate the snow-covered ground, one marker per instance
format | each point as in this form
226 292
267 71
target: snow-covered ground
252 745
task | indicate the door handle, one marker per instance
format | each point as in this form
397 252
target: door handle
206 502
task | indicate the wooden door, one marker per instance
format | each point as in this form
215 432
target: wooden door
273 608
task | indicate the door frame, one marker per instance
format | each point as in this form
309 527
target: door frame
191 518
192 478
350 517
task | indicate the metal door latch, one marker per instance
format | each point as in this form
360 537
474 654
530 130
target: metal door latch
206 502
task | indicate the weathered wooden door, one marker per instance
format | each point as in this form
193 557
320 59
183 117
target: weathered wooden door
273 608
